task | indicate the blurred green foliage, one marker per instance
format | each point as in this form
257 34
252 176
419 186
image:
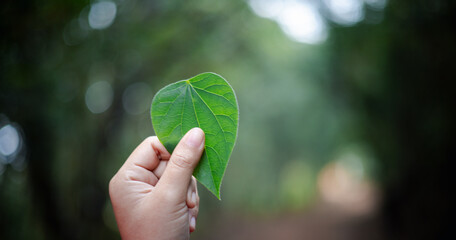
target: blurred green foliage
379 90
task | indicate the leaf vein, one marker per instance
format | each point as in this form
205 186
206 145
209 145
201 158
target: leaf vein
214 94
172 130
218 156
214 86
166 114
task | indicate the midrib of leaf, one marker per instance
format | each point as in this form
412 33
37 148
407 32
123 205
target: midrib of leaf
197 120
224 137
215 116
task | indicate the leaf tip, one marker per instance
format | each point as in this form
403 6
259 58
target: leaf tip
217 195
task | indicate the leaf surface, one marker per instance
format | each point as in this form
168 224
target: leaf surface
206 101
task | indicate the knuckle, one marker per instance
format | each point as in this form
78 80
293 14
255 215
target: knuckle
181 160
149 139
130 175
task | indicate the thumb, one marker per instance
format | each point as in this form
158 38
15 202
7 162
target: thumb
183 161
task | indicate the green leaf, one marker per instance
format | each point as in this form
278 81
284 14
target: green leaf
206 101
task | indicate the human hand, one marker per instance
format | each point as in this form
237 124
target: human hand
154 194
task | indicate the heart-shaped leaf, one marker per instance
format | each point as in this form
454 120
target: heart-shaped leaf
206 101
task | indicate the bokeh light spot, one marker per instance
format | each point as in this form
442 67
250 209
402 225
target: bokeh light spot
102 14
299 20
9 141
302 22
340 186
99 97
346 12
267 8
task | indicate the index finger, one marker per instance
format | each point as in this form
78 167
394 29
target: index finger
148 154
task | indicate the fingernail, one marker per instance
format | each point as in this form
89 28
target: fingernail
193 223
194 197
195 137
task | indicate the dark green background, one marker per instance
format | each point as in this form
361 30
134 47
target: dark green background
383 90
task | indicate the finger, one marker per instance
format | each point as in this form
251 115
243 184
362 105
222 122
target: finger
182 162
147 155
193 212
158 171
138 165
141 175
193 215
191 193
